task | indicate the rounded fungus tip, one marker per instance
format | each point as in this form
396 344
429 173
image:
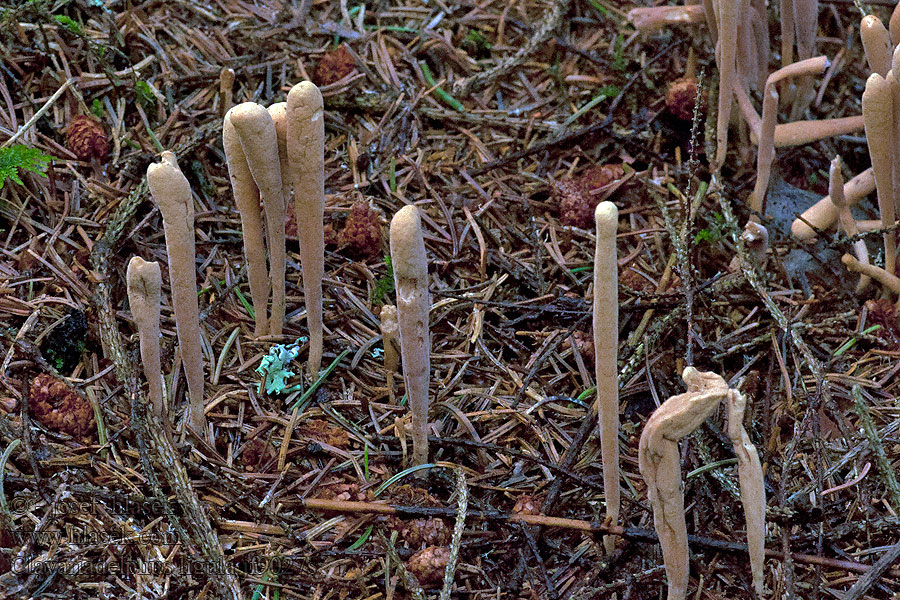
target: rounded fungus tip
606 216
406 231
306 100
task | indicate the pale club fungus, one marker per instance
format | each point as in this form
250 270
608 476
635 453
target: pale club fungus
753 492
660 466
172 193
848 223
256 132
306 158
606 345
877 104
246 198
413 303
144 284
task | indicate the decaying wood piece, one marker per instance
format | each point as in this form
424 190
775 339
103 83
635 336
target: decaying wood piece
753 492
606 348
660 465
144 283
413 303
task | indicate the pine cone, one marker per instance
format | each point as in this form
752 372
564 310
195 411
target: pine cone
56 406
324 433
334 66
584 341
429 564
575 194
256 454
361 235
418 532
86 139
528 505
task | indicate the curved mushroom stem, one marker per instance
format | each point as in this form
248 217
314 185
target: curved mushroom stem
306 156
888 280
413 304
660 465
727 16
246 197
753 492
848 224
256 131
606 348
172 193
823 213
144 284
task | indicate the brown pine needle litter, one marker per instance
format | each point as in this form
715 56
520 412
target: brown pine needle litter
476 113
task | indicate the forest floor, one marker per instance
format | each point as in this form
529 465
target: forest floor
506 168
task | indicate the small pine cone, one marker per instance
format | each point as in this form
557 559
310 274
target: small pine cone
421 532
528 505
256 454
681 98
584 341
883 312
334 66
429 564
324 433
86 139
56 406
361 235
574 204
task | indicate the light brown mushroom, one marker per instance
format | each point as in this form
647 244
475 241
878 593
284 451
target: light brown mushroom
390 329
647 19
753 491
144 284
259 140
413 303
728 17
888 280
246 197
172 193
876 43
606 350
306 157
279 117
894 26
848 223
877 104
226 85
660 465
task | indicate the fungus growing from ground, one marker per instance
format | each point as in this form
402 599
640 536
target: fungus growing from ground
753 492
877 104
660 465
246 197
172 193
306 157
144 284
413 303
606 347
259 140
848 224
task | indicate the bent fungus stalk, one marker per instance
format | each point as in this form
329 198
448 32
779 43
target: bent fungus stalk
753 492
413 303
144 284
256 132
306 156
848 224
823 213
246 197
606 347
172 193
660 466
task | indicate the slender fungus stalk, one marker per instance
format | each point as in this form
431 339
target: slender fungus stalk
660 465
888 280
606 347
753 492
144 284
246 197
894 26
278 111
172 193
725 57
877 104
306 156
389 331
848 223
226 84
823 213
256 132
413 303
765 152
